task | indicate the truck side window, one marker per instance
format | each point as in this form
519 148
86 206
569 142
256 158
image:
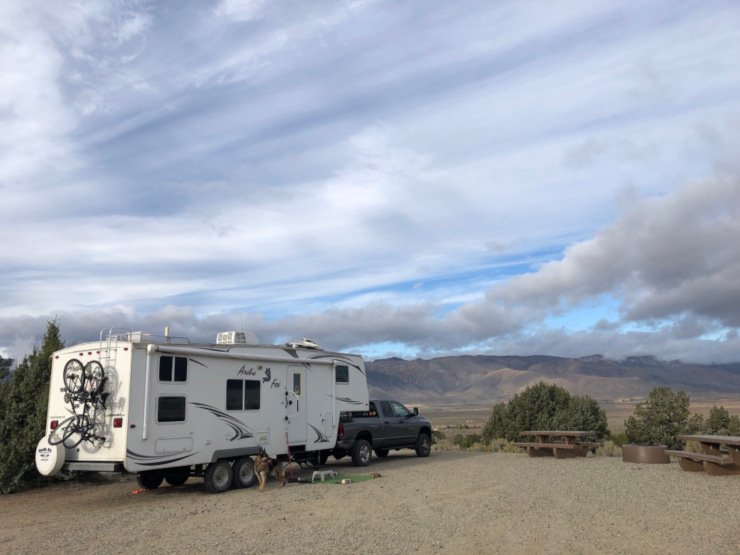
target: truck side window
400 410
385 406
166 365
342 373
171 409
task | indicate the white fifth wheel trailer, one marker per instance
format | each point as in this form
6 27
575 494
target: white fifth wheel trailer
166 409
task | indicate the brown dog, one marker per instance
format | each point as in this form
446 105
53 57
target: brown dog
262 465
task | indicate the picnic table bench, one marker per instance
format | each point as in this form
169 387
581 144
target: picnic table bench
720 455
561 444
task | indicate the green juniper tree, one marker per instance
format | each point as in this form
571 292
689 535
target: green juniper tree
545 407
23 404
658 420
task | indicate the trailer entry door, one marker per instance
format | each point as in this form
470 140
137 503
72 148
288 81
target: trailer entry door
296 405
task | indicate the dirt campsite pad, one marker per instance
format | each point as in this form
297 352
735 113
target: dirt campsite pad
452 502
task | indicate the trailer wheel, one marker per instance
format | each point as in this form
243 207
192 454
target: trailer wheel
423 445
218 477
244 475
361 453
177 476
149 479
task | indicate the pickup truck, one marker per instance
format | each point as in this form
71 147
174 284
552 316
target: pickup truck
386 425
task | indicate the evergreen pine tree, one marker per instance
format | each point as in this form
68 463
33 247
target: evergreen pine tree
23 414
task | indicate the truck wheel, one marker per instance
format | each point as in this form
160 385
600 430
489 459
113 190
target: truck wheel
382 453
361 453
177 476
218 477
244 475
423 445
149 479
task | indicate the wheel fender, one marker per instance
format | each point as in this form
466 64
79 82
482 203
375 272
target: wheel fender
49 458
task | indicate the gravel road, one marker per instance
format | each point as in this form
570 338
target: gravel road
452 502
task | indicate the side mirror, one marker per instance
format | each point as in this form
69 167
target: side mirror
416 411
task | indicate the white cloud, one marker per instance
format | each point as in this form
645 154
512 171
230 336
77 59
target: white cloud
449 184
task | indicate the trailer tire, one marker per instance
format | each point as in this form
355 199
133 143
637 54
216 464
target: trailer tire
218 477
149 479
177 476
244 474
362 452
423 445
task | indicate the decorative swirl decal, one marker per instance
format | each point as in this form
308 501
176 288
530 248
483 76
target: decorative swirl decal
240 430
320 436
348 401
154 460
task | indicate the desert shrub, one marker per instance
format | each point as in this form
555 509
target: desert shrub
720 422
659 419
544 407
619 439
466 441
609 449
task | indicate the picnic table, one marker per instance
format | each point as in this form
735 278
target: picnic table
561 444
720 455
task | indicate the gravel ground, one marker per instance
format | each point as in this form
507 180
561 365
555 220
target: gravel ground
452 502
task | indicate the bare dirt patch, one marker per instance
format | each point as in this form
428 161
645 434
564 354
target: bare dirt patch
452 502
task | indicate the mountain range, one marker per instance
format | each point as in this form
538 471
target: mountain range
482 379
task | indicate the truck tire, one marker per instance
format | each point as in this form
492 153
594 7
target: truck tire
177 476
362 452
149 479
218 477
423 445
244 474
382 453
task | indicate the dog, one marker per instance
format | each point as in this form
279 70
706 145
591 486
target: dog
262 464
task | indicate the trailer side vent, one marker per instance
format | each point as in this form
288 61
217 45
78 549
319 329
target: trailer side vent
236 338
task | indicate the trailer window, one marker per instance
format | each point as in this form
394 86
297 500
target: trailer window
342 373
251 395
171 409
166 366
242 394
234 394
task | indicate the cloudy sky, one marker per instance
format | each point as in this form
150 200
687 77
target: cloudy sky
391 178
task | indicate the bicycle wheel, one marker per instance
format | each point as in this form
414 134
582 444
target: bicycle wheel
80 429
62 431
74 376
93 376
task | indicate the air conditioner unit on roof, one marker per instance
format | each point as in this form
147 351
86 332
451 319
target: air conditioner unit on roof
236 338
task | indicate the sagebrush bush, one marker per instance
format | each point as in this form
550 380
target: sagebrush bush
609 449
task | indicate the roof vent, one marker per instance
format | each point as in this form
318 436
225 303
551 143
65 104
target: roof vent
306 343
236 338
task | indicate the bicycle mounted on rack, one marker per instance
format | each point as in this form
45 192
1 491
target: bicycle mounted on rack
84 392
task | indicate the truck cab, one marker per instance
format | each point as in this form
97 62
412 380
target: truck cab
386 425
